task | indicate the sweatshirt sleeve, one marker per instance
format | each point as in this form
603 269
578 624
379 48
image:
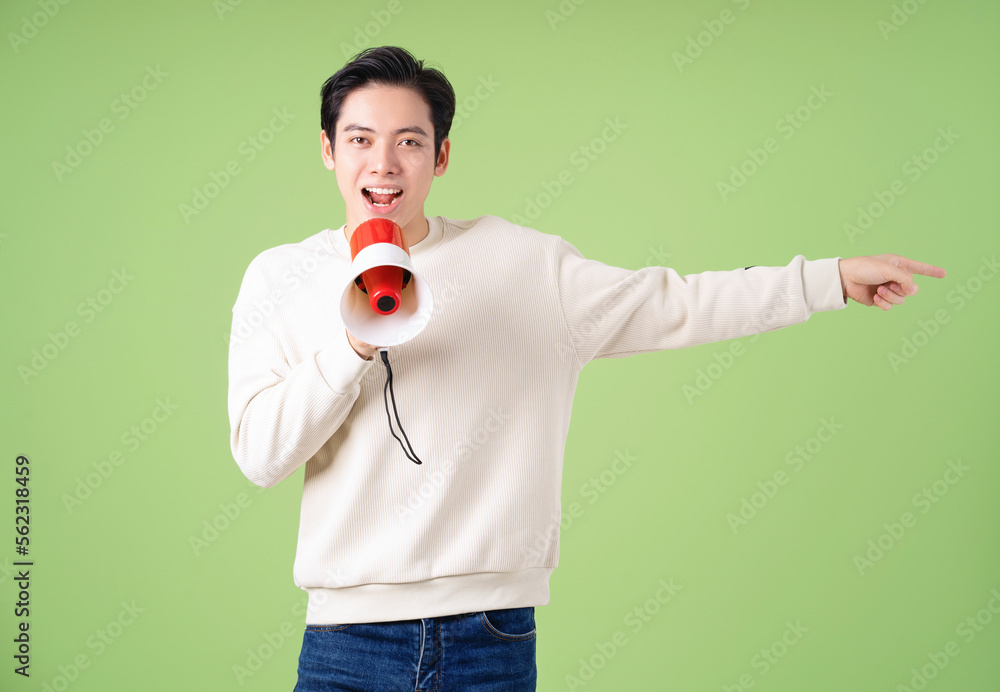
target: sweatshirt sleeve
281 413
612 312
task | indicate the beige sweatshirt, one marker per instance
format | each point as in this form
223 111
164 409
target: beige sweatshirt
484 394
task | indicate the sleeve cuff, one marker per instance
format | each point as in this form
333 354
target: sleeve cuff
821 285
341 366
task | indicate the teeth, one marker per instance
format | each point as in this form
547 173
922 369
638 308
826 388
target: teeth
382 191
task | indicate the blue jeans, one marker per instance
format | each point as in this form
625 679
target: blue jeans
486 651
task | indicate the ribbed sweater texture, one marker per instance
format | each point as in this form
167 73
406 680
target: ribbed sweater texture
484 394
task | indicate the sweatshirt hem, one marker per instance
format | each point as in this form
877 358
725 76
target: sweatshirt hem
452 595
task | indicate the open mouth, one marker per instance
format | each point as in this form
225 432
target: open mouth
382 197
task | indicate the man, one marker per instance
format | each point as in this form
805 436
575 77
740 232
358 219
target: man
426 576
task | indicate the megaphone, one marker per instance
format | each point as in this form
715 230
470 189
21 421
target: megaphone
384 302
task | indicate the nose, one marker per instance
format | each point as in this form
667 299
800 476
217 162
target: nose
383 158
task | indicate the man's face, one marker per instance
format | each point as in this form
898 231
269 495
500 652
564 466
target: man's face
385 140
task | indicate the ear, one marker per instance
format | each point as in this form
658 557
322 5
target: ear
442 162
326 150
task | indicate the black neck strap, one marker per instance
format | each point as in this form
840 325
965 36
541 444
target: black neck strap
411 455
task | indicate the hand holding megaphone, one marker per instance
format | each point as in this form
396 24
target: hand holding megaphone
366 351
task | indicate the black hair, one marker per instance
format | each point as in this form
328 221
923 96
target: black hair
389 66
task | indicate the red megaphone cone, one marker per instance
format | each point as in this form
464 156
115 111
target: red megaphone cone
383 284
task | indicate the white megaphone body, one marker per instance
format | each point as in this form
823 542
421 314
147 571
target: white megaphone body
384 302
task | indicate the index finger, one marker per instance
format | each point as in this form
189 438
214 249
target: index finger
915 267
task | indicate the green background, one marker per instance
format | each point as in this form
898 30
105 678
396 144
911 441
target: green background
650 197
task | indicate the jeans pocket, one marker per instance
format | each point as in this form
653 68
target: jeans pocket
326 628
509 624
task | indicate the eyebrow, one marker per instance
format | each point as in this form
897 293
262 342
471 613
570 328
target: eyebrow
362 128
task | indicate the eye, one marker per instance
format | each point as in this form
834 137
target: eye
354 138
415 142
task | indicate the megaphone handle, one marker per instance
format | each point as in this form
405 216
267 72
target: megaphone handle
384 353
